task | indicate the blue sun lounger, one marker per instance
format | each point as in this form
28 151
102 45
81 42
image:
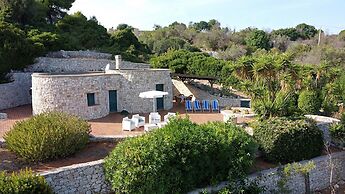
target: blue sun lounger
188 105
215 106
197 106
206 106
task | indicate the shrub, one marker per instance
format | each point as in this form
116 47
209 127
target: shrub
309 102
48 136
179 157
23 182
284 140
283 105
337 131
246 187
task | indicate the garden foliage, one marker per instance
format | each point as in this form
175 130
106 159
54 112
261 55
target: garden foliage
309 102
288 140
337 131
48 136
24 182
179 157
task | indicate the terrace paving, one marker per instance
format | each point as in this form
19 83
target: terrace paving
109 125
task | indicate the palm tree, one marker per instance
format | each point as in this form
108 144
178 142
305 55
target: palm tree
244 66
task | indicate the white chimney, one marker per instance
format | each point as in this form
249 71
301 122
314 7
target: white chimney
107 68
118 60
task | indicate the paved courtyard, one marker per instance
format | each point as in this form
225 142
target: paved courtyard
109 125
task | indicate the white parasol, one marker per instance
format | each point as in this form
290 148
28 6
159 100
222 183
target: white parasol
154 95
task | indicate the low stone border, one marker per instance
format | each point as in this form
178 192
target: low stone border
111 138
322 119
79 178
323 123
89 177
319 177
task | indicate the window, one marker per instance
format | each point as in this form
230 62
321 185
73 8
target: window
91 101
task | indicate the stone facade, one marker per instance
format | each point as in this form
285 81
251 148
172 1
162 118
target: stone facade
68 92
79 178
16 93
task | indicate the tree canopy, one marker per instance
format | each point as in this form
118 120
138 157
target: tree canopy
258 39
79 33
17 51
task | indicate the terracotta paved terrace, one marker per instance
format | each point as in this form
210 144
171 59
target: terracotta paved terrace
109 125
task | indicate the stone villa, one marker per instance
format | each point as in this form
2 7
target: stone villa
76 82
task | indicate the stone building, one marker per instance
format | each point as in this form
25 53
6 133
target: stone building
77 83
95 94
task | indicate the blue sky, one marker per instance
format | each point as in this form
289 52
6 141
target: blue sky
264 14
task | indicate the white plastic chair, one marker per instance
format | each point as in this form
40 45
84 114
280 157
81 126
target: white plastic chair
128 124
138 120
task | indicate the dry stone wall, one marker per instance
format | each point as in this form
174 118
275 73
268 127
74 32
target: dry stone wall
62 65
68 92
83 178
79 54
319 177
89 177
16 93
324 123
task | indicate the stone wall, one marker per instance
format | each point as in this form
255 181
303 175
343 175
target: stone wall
79 54
62 65
143 80
16 93
68 92
232 102
79 178
89 177
324 123
319 177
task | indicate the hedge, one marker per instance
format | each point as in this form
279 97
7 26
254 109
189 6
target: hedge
24 182
288 140
180 157
48 136
309 102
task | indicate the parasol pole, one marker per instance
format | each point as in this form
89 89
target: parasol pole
154 104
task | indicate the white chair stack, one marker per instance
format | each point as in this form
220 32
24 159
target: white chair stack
138 120
154 118
128 124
